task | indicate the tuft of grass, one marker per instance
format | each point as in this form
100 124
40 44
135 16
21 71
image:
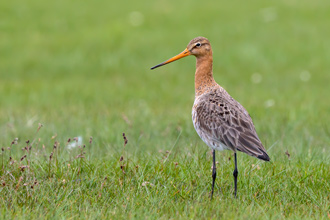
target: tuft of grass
175 182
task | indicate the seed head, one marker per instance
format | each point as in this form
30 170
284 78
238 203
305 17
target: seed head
39 126
287 154
23 168
22 158
54 136
14 141
125 139
122 168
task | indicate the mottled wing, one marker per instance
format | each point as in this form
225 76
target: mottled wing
225 120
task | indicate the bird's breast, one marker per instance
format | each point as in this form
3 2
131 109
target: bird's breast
207 135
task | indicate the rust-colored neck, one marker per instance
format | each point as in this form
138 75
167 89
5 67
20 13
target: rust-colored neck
204 80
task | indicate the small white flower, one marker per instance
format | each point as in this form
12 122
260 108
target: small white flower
75 143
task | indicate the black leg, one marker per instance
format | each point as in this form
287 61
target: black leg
214 173
235 173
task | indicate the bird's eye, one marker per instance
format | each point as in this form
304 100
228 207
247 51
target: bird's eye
198 44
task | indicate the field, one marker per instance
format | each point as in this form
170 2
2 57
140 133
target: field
75 76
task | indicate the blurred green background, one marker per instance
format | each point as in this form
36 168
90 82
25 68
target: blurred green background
82 68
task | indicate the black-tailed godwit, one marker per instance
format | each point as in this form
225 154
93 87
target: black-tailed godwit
220 121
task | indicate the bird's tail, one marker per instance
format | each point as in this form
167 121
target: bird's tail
264 156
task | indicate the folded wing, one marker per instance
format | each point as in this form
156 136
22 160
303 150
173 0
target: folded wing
227 121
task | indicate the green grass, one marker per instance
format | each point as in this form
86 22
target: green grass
81 68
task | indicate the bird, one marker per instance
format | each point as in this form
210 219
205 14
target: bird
219 120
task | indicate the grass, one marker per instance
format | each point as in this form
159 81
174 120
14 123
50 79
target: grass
81 69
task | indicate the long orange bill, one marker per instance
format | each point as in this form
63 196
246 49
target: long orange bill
184 53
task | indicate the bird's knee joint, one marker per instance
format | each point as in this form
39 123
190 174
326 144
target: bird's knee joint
235 173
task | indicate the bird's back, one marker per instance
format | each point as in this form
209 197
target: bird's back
223 123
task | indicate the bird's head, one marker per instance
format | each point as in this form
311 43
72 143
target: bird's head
199 46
